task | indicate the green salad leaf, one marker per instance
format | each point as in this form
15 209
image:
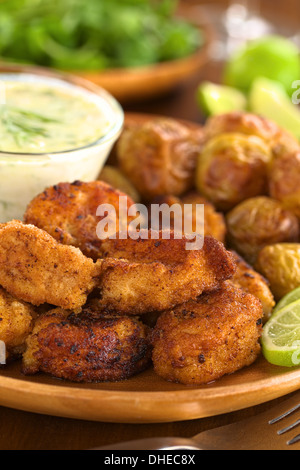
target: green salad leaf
94 34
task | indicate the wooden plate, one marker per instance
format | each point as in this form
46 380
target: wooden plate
145 398
134 84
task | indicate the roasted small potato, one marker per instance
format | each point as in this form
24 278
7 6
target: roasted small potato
279 140
284 181
114 177
159 157
259 222
280 264
213 223
233 167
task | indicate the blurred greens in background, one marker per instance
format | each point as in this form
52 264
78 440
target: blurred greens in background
94 34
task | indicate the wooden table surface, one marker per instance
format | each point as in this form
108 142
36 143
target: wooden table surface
28 431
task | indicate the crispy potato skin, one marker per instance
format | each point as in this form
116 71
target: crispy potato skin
284 181
243 123
214 222
280 264
82 348
146 275
16 323
253 283
231 168
278 139
202 340
237 152
37 269
67 211
259 222
159 157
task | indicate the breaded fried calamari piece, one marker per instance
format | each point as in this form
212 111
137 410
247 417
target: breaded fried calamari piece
16 323
254 283
213 224
67 211
146 275
37 269
87 348
204 339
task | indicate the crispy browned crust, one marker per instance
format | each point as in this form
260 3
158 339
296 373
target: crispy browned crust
37 269
82 348
16 323
141 276
68 213
203 340
254 283
214 222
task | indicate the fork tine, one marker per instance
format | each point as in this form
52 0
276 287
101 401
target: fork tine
284 415
294 440
289 428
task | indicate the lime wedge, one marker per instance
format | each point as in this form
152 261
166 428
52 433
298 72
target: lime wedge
269 99
281 337
287 300
274 57
218 99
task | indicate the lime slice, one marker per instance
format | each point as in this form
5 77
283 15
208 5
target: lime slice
218 99
288 299
281 337
269 99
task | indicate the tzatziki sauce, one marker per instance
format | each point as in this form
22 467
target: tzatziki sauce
46 116
51 131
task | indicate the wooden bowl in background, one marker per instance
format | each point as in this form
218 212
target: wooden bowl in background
133 84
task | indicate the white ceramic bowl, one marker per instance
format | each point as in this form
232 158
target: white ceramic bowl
24 175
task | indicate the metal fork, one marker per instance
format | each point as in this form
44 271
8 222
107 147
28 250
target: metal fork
271 430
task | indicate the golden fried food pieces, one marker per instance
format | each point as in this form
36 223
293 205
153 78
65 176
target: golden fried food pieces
37 269
67 211
259 222
159 157
214 222
85 348
146 275
280 265
284 181
253 283
204 339
16 323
